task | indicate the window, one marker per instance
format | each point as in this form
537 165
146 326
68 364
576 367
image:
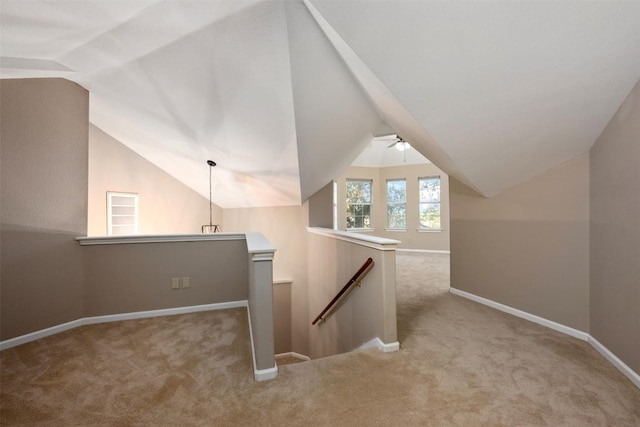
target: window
335 205
358 203
429 202
396 204
122 213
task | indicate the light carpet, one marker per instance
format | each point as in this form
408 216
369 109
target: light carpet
460 363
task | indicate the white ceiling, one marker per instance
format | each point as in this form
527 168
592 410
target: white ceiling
380 153
284 95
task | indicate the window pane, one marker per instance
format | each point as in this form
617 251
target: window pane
430 215
396 204
366 192
396 191
358 203
397 216
358 191
429 189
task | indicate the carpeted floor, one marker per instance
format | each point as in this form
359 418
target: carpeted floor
460 364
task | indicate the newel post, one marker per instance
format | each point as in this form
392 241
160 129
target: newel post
261 254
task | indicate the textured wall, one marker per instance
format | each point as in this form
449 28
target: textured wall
44 202
285 228
527 247
367 312
166 205
321 207
138 277
615 234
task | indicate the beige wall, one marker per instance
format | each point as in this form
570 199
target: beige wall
167 206
44 202
321 207
412 238
362 315
615 234
285 228
138 277
527 247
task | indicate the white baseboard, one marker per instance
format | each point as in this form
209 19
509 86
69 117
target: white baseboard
163 312
613 359
265 374
523 314
424 251
259 374
23 339
294 355
380 345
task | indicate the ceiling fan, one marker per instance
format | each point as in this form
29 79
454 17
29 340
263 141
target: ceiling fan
399 143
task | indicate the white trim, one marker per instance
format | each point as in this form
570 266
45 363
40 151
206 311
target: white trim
425 251
429 230
283 282
157 238
615 361
23 339
163 312
111 215
612 358
259 374
360 230
253 348
523 314
266 374
257 257
294 355
379 243
396 230
377 343
257 243
390 347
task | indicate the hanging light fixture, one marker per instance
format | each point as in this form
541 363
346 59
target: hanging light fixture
402 146
211 227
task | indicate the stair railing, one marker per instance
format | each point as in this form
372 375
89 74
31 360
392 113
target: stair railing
344 291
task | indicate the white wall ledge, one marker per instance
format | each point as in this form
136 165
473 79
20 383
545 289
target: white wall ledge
259 246
380 243
158 238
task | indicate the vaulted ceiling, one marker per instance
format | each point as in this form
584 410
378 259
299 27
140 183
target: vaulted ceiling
284 95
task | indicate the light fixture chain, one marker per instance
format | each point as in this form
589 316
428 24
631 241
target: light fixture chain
210 201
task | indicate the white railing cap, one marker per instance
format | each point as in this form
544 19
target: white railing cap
380 243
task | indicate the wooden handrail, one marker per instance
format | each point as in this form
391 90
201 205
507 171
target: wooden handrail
344 289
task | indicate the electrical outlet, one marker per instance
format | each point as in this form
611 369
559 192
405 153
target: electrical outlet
175 283
186 283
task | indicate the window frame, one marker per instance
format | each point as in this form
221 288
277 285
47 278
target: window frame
403 203
437 203
110 215
363 204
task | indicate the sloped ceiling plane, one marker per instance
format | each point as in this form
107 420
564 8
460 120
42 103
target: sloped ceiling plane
284 95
